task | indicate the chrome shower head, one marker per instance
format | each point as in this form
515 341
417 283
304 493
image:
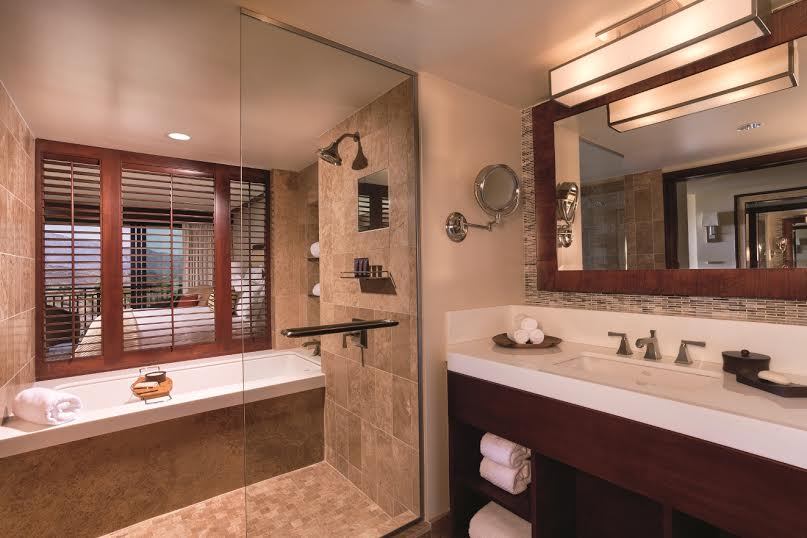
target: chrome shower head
330 153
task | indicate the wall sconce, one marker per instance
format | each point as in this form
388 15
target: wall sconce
567 198
712 226
755 75
664 40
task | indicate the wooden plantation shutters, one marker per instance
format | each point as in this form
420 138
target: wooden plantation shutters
249 213
168 253
71 258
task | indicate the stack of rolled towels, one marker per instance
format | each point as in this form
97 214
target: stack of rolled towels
504 464
526 331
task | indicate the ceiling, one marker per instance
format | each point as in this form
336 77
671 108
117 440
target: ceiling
122 74
706 137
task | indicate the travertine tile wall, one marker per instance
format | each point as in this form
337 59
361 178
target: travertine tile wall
17 292
292 195
371 406
644 220
761 310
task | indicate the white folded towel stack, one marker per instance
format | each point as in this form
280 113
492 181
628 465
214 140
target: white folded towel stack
316 290
513 480
315 250
493 521
502 451
46 406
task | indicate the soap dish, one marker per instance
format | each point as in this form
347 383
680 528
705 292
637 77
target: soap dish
751 378
504 341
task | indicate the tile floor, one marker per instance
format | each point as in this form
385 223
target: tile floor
313 501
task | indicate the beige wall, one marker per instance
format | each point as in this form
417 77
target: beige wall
293 198
371 405
16 253
461 132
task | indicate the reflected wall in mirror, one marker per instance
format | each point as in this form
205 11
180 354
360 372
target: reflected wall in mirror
373 201
720 188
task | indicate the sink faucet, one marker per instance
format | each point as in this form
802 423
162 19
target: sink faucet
624 346
683 353
652 353
315 344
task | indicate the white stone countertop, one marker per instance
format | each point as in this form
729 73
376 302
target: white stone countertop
716 408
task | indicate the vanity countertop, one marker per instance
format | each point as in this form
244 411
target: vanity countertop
717 409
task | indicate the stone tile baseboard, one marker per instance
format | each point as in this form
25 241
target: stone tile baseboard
760 310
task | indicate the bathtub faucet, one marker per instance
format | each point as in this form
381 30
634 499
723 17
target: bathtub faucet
315 344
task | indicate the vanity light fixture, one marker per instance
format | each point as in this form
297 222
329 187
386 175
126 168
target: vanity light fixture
696 30
182 137
759 74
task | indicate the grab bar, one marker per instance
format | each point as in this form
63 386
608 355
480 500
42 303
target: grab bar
349 327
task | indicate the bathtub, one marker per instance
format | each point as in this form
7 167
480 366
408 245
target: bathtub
201 385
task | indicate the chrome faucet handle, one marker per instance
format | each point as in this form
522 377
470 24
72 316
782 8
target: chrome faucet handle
624 345
683 353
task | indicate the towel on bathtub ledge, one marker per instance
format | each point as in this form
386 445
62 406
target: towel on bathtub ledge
46 406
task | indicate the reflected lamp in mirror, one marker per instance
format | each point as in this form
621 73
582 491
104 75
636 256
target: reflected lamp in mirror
568 195
497 190
654 41
712 227
373 201
759 74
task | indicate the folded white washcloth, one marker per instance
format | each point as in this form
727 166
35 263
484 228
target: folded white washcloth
315 249
511 480
536 336
528 324
493 521
519 336
502 451
46 406
316 290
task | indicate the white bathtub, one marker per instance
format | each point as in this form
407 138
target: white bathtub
199 385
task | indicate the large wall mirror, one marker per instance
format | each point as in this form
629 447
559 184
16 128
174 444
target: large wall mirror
679 195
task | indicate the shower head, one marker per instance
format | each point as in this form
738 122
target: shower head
330 154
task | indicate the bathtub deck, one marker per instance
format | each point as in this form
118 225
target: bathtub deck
313 501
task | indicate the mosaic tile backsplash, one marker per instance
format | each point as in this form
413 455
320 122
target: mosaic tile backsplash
737 308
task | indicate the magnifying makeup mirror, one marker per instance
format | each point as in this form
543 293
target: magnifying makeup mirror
497 190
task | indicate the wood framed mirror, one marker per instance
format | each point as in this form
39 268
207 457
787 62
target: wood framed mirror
722 201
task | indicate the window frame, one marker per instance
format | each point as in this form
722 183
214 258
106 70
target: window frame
112 163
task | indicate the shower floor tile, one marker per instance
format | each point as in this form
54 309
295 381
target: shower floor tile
313 501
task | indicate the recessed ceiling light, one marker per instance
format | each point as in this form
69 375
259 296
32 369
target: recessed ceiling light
179 136
749 126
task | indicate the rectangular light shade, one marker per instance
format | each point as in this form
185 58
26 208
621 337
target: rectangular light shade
696 31
758 74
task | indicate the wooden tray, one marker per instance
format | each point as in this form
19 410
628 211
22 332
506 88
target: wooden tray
504 341
750 378
160 391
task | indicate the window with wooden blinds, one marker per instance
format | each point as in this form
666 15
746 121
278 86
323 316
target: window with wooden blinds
249 211
168 259
71 255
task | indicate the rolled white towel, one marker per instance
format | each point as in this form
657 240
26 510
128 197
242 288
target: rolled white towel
519 336
315 249
536 336
46 406
502 451
493 521
511 480
316 290
529 324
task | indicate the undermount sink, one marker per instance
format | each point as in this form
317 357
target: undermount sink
640 372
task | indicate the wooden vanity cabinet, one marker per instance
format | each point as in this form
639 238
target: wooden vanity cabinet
599 475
